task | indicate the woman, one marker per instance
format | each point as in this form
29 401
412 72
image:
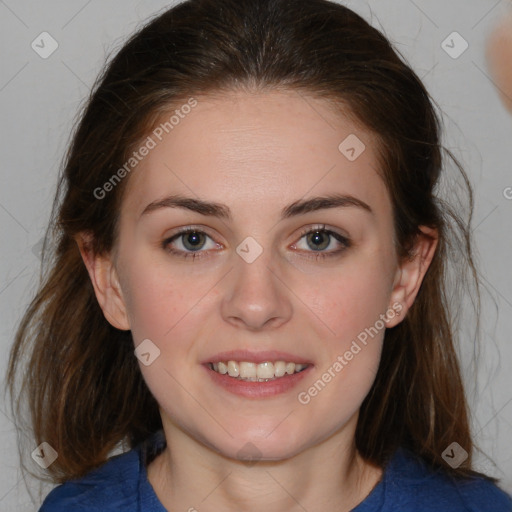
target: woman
249 286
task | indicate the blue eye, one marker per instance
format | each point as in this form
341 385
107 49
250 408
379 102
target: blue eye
194 245
191 239
319 238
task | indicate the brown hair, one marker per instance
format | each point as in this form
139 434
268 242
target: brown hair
84 387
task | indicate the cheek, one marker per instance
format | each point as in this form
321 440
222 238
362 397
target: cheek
351 303
155 300
168 305
151 306
352 298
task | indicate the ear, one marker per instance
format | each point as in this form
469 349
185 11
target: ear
410 274
105 282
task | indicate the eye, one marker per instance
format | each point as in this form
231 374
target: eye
318 238
192 242
189 242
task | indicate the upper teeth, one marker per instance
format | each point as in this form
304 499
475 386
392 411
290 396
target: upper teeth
253 371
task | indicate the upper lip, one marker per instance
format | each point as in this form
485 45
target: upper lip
256 357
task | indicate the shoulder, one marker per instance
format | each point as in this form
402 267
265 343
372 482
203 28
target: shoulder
113 486
414 486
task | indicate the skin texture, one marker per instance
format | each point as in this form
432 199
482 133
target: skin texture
257 153
499 54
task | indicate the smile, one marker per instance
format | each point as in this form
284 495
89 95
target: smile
254 372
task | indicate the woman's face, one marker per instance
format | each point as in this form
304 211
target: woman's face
252 280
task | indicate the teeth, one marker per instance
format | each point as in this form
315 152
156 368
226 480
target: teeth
247 370
279 368
233 369
257 372
265 371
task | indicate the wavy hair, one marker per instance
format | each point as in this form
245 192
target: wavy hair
78 374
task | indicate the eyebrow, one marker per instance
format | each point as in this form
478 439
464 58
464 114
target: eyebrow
222 211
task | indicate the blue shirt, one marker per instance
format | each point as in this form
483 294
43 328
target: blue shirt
407 485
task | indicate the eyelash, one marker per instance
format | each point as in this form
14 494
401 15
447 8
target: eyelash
346 243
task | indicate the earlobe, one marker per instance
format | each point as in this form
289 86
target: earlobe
105 281
411 272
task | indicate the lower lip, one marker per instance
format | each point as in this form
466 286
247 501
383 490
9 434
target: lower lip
250 389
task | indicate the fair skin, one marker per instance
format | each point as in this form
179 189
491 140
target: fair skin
257 153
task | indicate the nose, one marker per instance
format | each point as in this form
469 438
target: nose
255 295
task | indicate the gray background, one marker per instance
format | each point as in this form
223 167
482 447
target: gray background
39 99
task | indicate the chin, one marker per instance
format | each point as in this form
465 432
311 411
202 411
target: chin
252 447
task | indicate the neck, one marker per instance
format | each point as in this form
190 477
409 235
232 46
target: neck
330 475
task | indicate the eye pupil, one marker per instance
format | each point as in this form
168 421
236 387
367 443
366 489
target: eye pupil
317 237
194 239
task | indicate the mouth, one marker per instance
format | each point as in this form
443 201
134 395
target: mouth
257 372
257 375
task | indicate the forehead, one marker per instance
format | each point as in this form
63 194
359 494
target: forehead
257 149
